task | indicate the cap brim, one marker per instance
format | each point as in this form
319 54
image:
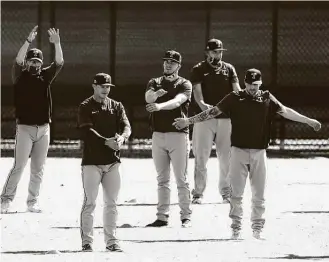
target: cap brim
106 84
259 82
34 58
217 49
171 60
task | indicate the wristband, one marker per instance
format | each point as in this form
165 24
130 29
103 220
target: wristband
27 40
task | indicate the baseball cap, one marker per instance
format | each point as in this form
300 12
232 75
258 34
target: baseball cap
34 54
253 76
102 79
215 44
173 55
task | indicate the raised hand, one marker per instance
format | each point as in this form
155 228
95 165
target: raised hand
32 34
315 124
54 36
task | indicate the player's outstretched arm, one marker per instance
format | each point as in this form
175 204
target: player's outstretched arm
55 39
22 51
291 114
210 113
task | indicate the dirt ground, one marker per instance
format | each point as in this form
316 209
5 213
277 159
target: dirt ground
297 213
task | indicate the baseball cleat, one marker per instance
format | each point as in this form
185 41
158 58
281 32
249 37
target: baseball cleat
235 234
256 234
226 201
114 248
197 200
158 223
34 208
87 248
186 223
5 207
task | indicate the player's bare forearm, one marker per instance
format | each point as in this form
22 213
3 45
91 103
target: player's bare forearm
150 96
205 115
58 54
173 103
236 87
291 114
126 129
22 53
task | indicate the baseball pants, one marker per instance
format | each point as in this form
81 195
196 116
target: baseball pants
92 177
30 141
204 134
242 162
171 147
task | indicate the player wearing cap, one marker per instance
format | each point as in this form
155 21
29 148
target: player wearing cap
168 97
33 107
251 111
212 80
104 128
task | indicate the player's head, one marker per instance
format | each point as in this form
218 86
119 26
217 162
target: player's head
253 81
102 85
34 60
171 63
214 51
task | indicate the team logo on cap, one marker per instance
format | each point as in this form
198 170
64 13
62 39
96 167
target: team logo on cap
253 75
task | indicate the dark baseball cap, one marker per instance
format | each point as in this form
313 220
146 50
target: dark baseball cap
102 79
253 76
34 54
215 44
173 55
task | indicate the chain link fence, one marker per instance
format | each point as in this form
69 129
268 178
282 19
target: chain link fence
289 44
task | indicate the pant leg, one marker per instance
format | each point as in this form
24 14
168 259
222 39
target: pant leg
91 178
258 183
23 146
38 160
111 183
162 165
179 148
223 148
202 140
238 172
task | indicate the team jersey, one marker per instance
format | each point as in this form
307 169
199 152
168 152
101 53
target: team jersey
32 95
215 83
251 117
161 121
107 119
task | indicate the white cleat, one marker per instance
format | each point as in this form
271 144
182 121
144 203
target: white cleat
235 234
34 208
256 234
5 207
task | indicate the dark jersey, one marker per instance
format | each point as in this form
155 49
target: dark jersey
161 121
32 95
215 83
107 119
251 118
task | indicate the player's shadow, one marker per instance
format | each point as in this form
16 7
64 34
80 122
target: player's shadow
306 212
292 256
39 252
173 204
182 240
15 212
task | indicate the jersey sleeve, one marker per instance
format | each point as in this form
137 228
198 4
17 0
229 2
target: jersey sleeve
52 71
16 71
275 105
233 75
196 76
225 105
186 89
150 85
84 117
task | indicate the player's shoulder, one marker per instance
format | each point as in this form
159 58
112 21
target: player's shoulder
266 94
199 66
228 65
156 80
183 80
114 103
86 102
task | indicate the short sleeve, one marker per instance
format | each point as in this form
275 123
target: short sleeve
52 71
225 105
275 105
196 76
150 85
84 117
233 75
186 89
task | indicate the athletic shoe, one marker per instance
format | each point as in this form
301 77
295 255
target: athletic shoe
87 248
5 207
158 223
186 222
34 208
235 234
226 201
197 200
256 234
114 248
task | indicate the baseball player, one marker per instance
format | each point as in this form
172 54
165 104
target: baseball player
104 128
251 111
212 80
33 104
168 97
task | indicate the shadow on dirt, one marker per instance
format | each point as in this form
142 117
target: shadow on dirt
306 212
292 256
